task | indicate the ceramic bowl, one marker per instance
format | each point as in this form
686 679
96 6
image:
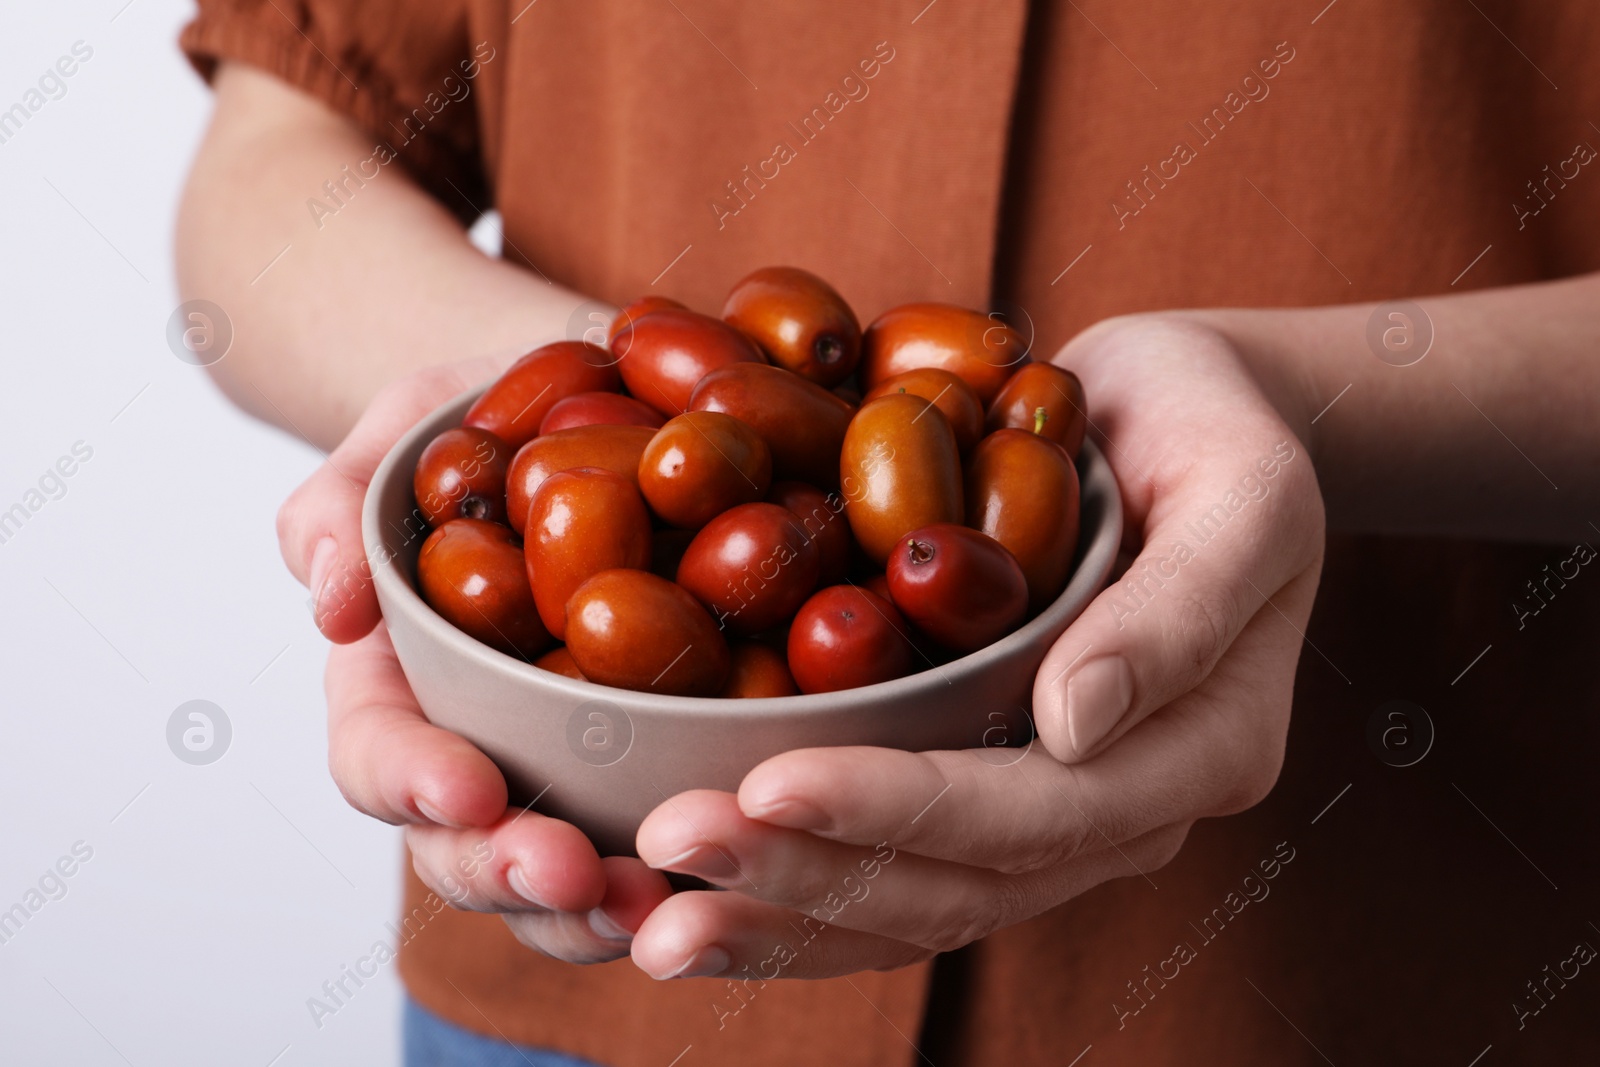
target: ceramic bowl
603 758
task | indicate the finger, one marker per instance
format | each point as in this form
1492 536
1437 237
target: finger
1209 753
319 533
968 807
930 903
524 860
633 891
319 526
387 759
563 936
1228 536
704 935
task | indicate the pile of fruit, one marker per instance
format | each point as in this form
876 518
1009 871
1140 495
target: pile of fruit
765 503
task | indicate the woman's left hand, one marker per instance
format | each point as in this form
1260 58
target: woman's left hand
1153 710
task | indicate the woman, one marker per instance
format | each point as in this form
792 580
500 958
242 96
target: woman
1084 168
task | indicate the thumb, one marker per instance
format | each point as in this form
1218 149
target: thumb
319 534
1211 558
319 526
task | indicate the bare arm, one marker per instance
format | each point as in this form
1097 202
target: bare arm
1494 433
377 317
387 286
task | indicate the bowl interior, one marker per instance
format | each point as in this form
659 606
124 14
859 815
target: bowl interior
393 530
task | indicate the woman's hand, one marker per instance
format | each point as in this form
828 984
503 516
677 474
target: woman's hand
1165 702
556 893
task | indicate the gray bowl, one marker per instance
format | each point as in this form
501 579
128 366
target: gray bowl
603 758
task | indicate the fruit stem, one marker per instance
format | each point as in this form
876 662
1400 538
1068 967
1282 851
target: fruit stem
1040 417
919 551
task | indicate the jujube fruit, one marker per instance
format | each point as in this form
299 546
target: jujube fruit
664 354
822 518
641 307
958 586
581 522
634 630
461 474
471 572
949 393
801 322
982 350
612 448
700 464
516 403
599 409
1045 399
752 567
899 470
802 423
845 637
757 671
1022 490
559 661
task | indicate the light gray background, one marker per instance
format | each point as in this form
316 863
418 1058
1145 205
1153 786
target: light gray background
219 898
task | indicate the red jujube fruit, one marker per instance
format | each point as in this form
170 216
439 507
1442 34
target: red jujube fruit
581 522
664 354
634 630
516 403
801 322
471 572
462 475
752 567
958 586
845 637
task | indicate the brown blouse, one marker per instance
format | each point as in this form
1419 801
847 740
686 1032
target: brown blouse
1070 161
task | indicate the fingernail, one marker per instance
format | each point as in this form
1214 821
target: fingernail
432 813
519 885
709 961
605 926
703 861
1098 696
323 557
795 814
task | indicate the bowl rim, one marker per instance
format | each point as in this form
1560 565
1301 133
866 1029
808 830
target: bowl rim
1094 562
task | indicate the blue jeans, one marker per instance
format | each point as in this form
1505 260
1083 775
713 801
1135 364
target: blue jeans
430 1041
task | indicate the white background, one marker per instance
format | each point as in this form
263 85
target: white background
219 898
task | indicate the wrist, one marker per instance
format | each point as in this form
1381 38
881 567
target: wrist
1285 381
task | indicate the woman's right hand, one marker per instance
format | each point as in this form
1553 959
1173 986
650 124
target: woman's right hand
553 889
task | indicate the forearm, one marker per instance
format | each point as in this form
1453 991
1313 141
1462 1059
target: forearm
386 286
1494 433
